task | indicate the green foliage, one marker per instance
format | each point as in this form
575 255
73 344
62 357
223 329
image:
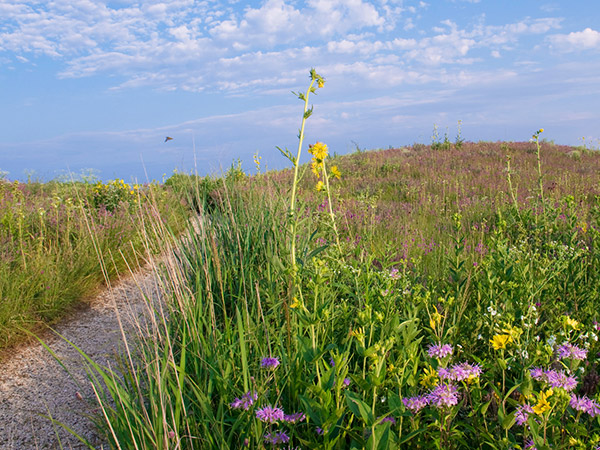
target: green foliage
465 319
53 240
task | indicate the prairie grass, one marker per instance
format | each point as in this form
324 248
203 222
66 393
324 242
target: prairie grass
438 296
52 236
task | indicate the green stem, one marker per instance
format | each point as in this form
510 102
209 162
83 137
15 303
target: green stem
294 221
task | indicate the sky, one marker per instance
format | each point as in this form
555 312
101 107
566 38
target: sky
99 84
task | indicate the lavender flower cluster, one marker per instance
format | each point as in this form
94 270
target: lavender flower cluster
571 351
439 351
443 395
555 378
460 372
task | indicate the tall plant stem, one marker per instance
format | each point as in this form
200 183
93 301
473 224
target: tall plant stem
292 213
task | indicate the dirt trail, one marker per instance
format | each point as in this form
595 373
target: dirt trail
33 384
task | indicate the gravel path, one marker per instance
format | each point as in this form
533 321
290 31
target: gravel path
33 384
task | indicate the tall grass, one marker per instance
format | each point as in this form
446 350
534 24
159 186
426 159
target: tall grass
458 310
52 235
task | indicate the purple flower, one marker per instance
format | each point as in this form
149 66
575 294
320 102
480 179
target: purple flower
536 373
460 372
415 404
389 419
346 382
585 404
269 414
556 379
530 445
560 380
320 431
245 401
293 418
278 437
571 351
269 363
439 351
443 395
522 414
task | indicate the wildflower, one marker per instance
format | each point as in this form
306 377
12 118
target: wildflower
530 445
293 418
558 379
335 172
543 405
571 351
318 150
320 431
315 166
245 401
429 377
585 404
435 319
460 372
513 332
415 404
443 395
269 363
319 186
269 414
346 382
500 341
571 323
278 437
522 414
439 351
389 419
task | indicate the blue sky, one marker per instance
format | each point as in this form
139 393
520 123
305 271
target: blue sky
99 84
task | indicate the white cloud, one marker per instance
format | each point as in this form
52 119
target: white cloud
577 40
222 46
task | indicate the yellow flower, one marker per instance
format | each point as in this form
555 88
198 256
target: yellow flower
429 378
435 319
295 303
571 323
319 151
315 166
543 405
320 186
541 130
513 332
500 341
335 172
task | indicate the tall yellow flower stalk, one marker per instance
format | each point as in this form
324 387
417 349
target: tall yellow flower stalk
295 160
319 152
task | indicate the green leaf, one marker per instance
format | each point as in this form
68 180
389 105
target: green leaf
359 408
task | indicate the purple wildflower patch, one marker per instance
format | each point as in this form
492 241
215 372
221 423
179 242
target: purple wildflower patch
245 401
269 414
276 438
415 404
443 395
439 351
269 363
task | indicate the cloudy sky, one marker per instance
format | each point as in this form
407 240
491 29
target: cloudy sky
100 83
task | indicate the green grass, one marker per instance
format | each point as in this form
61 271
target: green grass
352 327
441 296
59 241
